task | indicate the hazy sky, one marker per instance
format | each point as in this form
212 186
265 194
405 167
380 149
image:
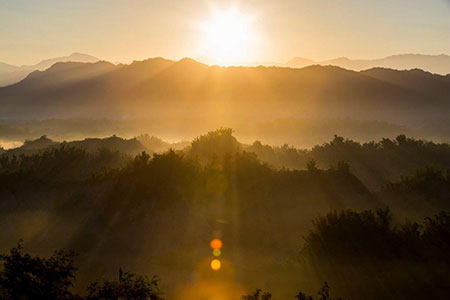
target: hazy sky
124 30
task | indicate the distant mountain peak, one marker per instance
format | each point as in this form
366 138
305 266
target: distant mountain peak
150 60
188 62
74 57
82 57
342 58
300 60
437 64
185 60
12 74
79 53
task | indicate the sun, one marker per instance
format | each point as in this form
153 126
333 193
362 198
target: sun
227 37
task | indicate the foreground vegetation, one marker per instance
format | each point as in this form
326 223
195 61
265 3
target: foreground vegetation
23 276
158 212
363 254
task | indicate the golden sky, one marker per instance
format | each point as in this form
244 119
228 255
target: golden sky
257 30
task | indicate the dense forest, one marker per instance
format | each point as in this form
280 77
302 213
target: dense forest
372 220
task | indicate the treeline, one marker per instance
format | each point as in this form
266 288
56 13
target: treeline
59 164
426 191
365 255
23 276
322 294
217 161
27 277
372 235
374 163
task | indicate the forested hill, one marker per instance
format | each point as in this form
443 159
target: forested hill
375 163
154 211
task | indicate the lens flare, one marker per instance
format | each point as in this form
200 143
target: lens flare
216 244
217 252
216 264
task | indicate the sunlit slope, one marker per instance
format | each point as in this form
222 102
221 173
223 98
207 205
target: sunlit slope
161 86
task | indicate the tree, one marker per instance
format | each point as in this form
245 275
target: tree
311 165
323 294
25 277
258 295
218 142
343 167
128 286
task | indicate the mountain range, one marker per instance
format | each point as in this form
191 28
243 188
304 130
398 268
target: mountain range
186 91
10 74
438 64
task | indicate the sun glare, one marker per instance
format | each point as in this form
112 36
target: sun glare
227 37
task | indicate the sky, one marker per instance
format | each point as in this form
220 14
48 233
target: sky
276 31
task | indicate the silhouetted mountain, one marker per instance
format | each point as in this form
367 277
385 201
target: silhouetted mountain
439 64
156 85
92 145
418 80
10 74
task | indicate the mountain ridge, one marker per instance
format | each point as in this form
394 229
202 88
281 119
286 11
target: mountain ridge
10 74
175 87
438 64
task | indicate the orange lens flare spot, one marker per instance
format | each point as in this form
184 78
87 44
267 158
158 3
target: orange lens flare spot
216 244
216 264
217 252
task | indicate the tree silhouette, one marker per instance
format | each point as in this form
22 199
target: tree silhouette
258 295
24 277
128 286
